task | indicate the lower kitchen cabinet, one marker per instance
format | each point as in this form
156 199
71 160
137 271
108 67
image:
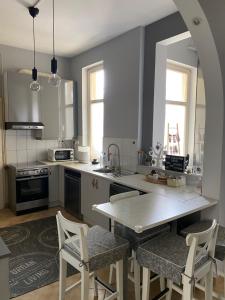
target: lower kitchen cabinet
94 190
53 186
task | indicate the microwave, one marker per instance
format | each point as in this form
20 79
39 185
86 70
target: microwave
60 154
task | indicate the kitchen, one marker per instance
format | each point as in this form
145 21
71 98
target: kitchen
66 126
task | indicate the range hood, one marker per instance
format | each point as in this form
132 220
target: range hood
22 106
23 125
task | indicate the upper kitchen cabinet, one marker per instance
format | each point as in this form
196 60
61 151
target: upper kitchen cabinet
57 110
49 104
67 109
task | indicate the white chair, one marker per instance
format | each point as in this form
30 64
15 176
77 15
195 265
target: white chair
87 250
219 251
135 240
180 261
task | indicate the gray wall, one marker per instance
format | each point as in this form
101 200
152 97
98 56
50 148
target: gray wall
16 58
181 53
122 60
155 32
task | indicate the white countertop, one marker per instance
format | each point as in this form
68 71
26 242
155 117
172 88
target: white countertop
136 181
160 205
150 210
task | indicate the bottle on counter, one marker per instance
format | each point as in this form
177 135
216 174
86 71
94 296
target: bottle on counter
103 160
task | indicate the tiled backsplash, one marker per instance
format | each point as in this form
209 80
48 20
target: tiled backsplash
128 151
22 147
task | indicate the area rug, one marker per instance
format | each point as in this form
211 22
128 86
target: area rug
34 255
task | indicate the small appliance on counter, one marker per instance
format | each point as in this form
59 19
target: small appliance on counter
28 187
83 154
61 154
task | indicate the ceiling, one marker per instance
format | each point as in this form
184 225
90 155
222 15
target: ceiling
80 24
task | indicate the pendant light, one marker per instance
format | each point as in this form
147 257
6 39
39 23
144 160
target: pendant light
35 85
54 78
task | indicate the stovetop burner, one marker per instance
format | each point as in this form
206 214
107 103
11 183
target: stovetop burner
29 165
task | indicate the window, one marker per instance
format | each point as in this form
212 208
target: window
96 110
176 117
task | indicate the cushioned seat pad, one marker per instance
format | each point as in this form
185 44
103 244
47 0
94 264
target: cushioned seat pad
104 248
204 225
166 255
136 239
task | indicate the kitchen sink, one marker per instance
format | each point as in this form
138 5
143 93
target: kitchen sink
114 173
104 170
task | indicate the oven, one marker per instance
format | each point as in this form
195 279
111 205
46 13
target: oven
31 189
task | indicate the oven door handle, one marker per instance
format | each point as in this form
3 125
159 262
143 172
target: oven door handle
31 178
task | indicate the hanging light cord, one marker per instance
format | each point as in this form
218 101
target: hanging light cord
34 45
53 26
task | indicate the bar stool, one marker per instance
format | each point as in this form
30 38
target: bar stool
180 261
88 250
220 246
135 239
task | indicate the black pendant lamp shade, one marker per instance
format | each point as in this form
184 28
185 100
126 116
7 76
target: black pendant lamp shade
54 65
34 86
54 79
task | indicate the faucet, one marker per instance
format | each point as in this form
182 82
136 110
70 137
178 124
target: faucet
118 152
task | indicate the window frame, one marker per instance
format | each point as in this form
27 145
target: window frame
183 69
90 70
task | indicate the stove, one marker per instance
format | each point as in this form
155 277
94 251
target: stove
28 187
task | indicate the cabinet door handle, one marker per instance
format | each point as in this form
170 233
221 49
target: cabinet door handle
96 184
93 183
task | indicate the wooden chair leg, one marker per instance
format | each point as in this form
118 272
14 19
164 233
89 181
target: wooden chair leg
111 274
62 277
187 288
170 286
137 279
162 283
146 284
209 285
132 262
119 279
84 285
224 278
95 285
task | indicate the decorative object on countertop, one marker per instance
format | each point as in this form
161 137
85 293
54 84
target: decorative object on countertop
141 157
35 85
54 78
176 181
176 163
156 177
95 161
158 154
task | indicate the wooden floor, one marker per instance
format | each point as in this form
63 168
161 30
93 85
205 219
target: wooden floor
50 292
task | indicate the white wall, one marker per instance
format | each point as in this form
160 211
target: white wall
181 52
